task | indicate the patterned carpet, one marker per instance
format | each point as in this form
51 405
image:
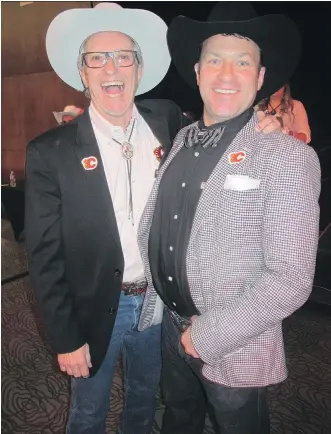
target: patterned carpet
35 393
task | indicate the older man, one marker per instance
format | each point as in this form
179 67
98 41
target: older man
229 234
87 185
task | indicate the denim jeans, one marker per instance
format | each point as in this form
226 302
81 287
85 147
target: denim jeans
90 398
188 395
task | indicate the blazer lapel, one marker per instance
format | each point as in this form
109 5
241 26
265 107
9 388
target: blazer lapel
160 129
246 137
94 181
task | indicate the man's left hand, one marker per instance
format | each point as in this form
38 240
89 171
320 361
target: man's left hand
267 123
187 344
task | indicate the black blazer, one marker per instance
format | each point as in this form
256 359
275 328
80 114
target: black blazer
74 253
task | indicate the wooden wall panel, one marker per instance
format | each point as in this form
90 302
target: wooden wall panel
30 89
27 105
23 33
12 160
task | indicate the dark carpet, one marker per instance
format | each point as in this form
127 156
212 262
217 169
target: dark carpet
35 394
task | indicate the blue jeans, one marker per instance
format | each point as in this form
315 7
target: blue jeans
90 397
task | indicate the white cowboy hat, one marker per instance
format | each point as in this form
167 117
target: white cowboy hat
69 110
70 28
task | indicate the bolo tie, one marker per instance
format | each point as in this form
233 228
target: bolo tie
127 152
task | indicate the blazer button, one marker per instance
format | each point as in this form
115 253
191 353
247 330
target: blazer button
112 310
117 272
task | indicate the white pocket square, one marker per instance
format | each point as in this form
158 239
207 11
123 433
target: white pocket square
241 183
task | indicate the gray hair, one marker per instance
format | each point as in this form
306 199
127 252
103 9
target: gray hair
82 50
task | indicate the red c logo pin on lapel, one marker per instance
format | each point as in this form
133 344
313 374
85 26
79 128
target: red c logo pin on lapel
237 157
89 163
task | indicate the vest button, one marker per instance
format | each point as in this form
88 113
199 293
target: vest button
117 272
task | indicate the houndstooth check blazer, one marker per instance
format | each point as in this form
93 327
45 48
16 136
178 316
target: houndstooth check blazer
251 255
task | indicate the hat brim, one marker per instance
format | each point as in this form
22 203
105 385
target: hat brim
276 35
70 28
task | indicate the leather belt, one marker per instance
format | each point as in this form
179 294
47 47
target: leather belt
134 288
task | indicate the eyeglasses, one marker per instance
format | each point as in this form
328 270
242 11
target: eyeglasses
121 58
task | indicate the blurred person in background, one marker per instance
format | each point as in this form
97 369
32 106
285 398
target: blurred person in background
290 113
68 114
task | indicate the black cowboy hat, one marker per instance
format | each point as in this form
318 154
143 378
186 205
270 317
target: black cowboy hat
276 35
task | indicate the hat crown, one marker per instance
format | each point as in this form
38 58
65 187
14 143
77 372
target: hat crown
71 27
232 11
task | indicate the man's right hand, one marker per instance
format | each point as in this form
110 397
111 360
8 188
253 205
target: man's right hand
76 363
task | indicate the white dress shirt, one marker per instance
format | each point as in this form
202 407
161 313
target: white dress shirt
144 165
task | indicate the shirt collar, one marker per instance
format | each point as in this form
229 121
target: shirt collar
107 128
199 134
235 123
